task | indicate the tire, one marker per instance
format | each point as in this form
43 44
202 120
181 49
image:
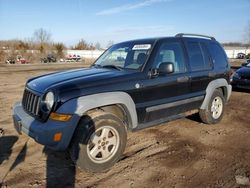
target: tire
99 141
214 113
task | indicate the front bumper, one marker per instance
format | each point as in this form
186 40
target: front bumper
43 133
241 83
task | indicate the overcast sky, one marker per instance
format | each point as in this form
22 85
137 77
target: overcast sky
70 20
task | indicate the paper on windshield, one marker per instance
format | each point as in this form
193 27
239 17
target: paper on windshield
141 47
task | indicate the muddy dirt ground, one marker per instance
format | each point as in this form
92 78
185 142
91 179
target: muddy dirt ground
182 153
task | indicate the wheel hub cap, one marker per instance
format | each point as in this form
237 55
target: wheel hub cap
217 107
103 144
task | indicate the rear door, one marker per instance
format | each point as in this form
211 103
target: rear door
200 66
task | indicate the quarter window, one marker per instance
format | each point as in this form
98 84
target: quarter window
218 55
206 57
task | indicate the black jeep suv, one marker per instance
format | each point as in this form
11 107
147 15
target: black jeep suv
132 85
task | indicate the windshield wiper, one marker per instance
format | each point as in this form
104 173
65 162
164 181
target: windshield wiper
112 66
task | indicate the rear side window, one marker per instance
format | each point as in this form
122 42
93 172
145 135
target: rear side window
206 57
218 55
198 57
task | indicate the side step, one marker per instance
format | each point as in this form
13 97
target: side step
164 120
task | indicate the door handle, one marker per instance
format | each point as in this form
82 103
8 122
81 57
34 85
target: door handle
183 79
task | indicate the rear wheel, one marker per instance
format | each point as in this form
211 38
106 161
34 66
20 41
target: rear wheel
100 140
214 113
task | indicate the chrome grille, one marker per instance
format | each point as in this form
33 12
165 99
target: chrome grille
31 102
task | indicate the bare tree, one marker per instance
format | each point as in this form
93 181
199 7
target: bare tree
2 55
91 46
83 45
247 36
59 47
42 37
97 46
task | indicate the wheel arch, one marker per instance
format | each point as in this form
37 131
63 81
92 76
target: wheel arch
114 102
120 111
212 86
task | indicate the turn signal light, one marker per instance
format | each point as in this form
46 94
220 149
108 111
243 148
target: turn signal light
57 137
60 117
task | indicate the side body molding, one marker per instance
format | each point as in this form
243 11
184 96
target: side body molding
212 86
82 104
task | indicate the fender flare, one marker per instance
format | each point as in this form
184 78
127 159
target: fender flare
83 104
211 88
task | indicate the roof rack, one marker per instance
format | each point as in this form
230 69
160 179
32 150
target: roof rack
196 35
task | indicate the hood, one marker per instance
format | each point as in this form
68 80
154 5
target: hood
244 71
79 77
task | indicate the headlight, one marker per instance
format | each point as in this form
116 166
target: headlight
236 75
49 100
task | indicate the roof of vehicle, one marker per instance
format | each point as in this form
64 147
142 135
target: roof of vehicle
180 35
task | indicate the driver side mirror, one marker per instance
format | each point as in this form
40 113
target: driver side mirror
166 68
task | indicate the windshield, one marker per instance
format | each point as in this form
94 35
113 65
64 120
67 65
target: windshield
128 55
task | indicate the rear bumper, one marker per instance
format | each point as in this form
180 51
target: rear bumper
43 133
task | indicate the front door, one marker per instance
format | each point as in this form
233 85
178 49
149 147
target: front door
166 95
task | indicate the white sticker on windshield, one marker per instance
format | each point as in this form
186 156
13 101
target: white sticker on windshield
141 47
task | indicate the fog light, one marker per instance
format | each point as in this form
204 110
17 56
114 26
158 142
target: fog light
57 137
60 117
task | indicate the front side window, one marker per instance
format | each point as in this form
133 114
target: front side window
171 52
128 55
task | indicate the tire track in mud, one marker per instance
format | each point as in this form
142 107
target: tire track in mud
179 151
168 150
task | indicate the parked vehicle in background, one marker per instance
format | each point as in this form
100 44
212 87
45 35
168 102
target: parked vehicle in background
133 85
10 60
51 58
19 60
240 55
245 63
241 77
73 58
247 56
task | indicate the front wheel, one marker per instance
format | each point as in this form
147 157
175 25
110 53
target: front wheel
99 142
214 113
